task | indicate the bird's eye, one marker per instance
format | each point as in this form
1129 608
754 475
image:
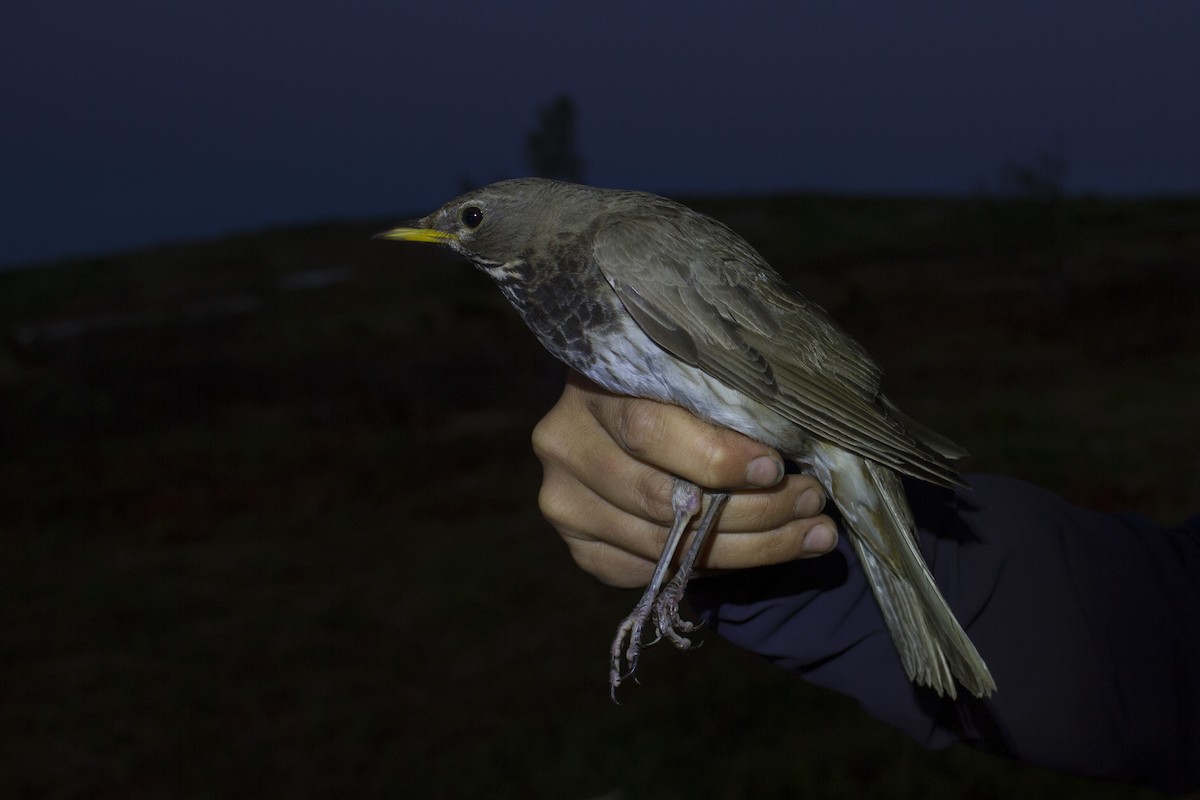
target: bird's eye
471 216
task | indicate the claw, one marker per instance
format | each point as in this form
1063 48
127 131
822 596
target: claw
666 614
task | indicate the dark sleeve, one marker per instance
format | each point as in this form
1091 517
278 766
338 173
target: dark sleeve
1089 622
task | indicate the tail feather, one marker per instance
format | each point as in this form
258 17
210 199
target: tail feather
933 647
927 436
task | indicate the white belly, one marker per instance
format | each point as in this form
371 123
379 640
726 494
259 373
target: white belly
632 364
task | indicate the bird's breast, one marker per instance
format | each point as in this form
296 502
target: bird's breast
629 362
571 313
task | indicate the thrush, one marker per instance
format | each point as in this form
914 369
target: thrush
650 299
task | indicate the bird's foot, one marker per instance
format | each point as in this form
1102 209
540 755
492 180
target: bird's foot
622 654
663 610
670 625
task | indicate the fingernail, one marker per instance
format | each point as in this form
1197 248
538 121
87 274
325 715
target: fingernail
809 503
764 471
820 539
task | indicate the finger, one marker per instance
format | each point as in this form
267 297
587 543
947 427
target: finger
619 548
611 565
748 511
675 441
801 538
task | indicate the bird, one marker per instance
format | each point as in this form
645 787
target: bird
648 298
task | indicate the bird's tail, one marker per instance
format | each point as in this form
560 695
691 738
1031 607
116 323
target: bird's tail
933 646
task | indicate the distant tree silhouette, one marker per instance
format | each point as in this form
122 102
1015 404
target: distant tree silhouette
551 149
1042 176
1037 184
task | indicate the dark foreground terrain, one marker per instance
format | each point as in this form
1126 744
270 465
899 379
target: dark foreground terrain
268 521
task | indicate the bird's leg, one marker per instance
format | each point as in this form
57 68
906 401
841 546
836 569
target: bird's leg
666 607
685 502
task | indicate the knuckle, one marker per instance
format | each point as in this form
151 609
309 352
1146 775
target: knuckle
638 425
555 504
609 565
776 546
589 558
652 496
759 513
784 544
717 462
755 512
548 444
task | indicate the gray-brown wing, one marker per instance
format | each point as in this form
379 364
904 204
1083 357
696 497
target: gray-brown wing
707 297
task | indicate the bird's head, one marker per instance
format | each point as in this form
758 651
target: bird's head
501 224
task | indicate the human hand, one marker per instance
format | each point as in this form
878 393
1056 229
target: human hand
608 465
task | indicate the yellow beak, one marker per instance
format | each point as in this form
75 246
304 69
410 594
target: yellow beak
427 235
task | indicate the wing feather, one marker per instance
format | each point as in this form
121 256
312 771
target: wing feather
722 309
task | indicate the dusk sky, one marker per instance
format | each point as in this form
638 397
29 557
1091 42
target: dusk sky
131 123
